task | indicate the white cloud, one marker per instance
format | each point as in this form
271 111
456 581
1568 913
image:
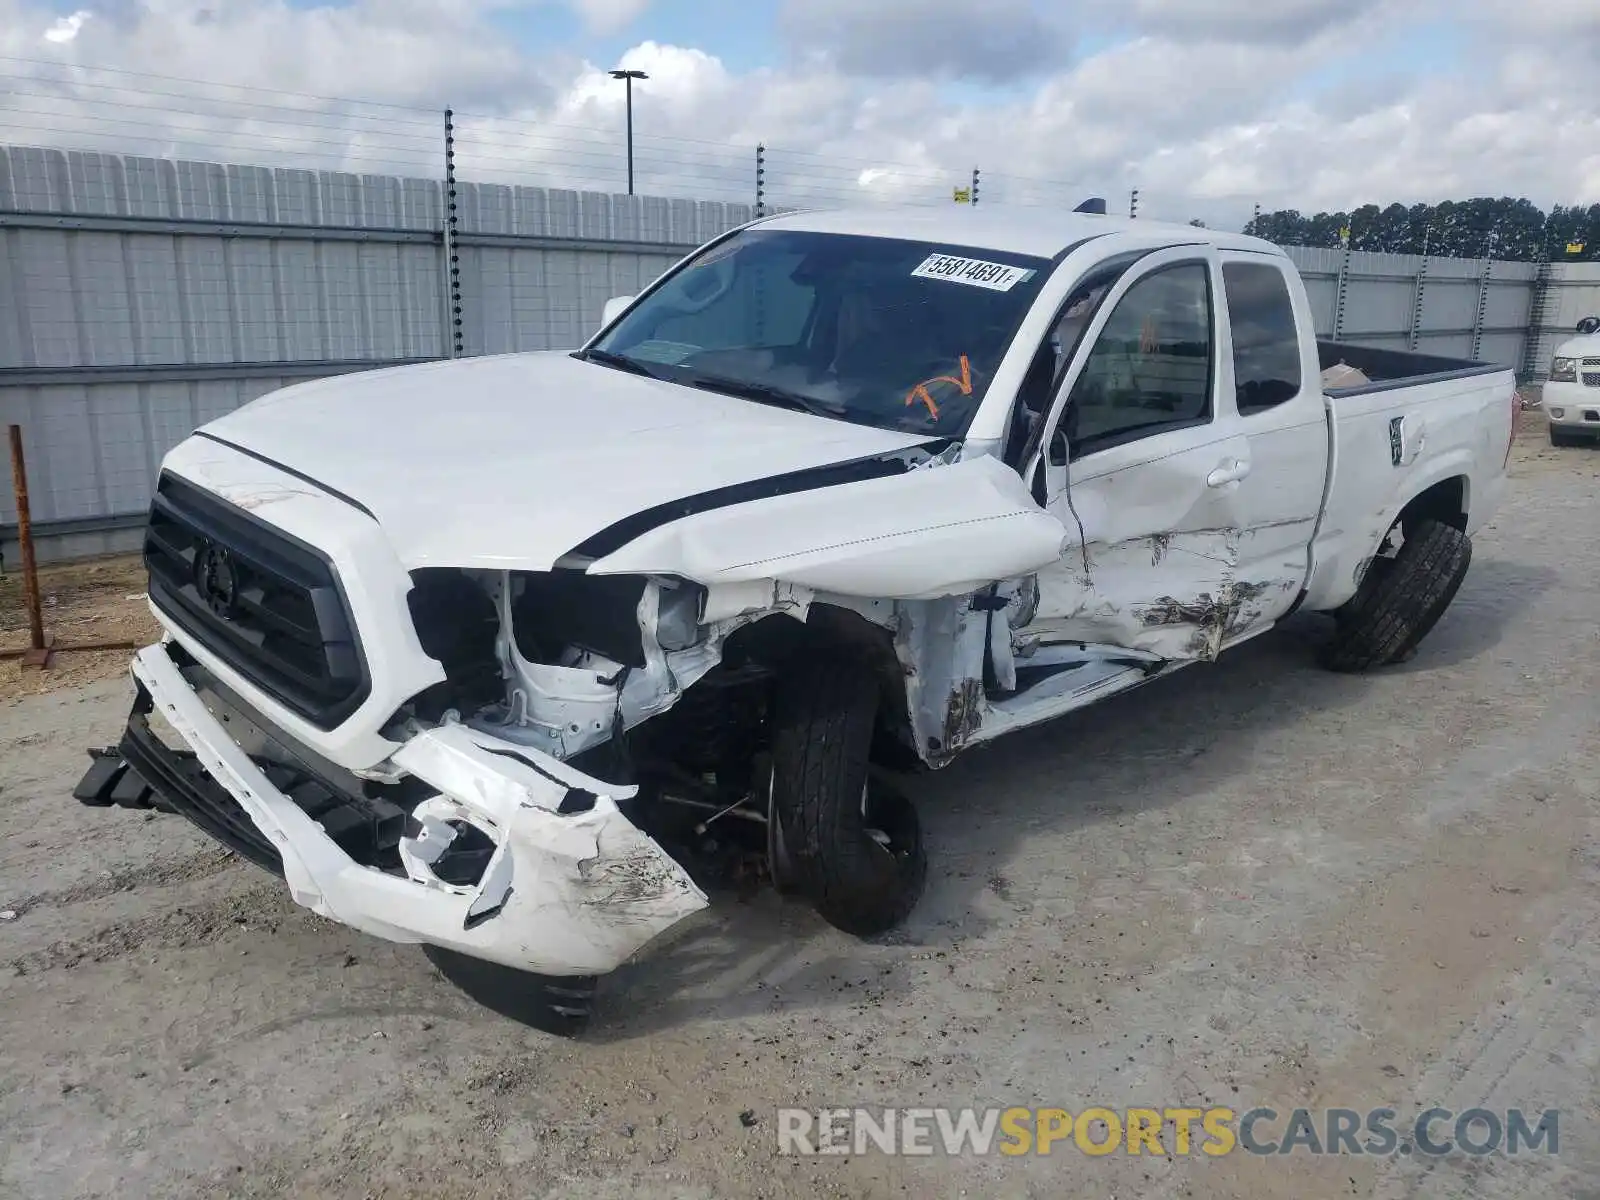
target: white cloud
65 29
1214 106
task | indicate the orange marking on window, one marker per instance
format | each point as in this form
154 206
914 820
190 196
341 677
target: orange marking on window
922 394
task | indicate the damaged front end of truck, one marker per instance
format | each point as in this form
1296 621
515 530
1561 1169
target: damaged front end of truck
546 768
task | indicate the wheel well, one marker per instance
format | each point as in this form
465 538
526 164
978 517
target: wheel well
1445 501
776 641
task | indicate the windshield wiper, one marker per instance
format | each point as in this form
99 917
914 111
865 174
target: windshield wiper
621 362
763 393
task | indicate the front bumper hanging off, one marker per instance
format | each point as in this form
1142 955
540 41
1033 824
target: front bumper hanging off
570 887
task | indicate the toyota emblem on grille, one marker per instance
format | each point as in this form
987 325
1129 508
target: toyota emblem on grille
216 579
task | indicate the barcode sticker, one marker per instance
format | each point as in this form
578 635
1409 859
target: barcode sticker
974 272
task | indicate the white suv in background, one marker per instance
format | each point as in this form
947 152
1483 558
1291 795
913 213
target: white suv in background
1572 394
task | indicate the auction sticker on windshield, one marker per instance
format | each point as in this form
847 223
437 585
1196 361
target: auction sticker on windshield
997 277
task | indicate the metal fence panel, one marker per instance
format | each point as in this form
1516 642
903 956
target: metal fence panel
1319 269
94 449
192 321
1576 291
1380 299
1378 309
1504 349
1450 303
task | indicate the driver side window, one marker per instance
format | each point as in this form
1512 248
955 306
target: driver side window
1150 369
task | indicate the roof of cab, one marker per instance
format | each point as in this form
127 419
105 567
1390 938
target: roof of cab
1038 232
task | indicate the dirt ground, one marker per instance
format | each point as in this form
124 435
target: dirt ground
82 604
1250 884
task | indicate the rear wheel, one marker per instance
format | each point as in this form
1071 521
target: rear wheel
1400 599
854 844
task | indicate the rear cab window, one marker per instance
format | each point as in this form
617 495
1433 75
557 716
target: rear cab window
1266 340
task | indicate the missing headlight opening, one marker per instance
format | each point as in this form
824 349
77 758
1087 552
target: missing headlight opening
626 679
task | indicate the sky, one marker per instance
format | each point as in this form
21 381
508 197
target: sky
1208 107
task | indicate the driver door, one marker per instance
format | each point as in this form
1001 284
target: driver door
1142 454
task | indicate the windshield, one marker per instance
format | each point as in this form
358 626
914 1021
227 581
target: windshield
899 334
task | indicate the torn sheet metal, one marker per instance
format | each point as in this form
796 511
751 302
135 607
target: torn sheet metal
755 598
500 776
1157 567
1177 614
940 645
1173 595
1211 620
569 894
565 708
579 891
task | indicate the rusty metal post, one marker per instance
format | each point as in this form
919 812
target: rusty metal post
30 569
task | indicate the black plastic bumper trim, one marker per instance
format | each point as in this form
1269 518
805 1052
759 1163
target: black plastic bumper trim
179 778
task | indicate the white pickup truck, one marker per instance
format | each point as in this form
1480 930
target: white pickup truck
478 654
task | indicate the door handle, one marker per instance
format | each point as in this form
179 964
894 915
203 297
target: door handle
1231 471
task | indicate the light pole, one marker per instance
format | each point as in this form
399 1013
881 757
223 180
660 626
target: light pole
627 78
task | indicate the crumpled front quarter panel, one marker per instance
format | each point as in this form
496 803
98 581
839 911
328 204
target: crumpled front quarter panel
933 531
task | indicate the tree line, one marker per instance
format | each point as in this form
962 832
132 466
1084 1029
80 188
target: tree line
1479 228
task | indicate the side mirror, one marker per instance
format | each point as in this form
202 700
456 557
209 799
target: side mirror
1588 325
613 309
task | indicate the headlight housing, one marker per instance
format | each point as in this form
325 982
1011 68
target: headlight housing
1564 370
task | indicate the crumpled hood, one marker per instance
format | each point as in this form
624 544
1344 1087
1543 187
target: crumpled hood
511 461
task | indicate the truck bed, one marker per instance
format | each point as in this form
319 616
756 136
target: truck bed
1388 369
1424 422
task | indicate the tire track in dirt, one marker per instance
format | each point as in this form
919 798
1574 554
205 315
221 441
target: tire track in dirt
203 865
1530 1052
183 927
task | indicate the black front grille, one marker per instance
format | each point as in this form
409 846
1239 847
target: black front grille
263 602
1591 379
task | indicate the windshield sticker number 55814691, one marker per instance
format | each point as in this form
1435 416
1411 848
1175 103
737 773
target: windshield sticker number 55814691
974 272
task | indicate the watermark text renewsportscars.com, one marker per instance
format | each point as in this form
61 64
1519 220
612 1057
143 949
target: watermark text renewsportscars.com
1096 1130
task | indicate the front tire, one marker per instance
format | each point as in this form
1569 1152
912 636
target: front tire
855 845
1400 599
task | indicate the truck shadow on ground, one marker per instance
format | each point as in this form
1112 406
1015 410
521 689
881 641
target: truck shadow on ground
1156 747
1494 592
